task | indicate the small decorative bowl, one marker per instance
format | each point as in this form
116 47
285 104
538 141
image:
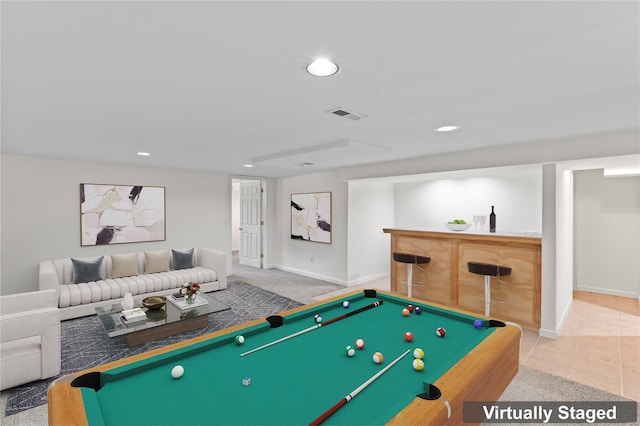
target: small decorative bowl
154 302
458 226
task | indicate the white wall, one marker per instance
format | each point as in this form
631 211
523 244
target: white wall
607 233
318 260
41 212
515 193
564 234
371 208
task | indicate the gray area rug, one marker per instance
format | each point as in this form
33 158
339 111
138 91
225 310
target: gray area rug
85 344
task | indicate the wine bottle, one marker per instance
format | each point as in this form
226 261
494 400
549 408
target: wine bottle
492 221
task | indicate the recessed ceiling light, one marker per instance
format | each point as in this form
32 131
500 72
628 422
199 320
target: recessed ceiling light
248 165
447 128
322 68
144 154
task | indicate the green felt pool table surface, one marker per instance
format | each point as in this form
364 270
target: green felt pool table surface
296 380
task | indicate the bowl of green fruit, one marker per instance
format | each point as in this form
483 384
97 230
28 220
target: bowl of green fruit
457 225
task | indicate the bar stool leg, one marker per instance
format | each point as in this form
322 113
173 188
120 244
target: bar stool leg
487 294
409 278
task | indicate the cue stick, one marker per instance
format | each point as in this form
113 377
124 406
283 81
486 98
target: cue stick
355 392
313 327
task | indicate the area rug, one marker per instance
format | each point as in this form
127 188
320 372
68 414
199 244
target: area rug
85 343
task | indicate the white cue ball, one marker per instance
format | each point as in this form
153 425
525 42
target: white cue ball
177 371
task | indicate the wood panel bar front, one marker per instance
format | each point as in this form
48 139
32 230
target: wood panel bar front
446 279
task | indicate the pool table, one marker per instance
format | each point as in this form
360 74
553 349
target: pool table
307 370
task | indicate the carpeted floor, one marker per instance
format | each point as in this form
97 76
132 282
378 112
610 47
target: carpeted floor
85 343
533 385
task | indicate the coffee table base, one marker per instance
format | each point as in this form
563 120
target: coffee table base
160 332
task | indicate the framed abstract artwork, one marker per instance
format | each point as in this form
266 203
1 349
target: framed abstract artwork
115 214
311 217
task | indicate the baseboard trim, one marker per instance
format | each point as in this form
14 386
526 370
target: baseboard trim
549 334
310 275
364 280
609 292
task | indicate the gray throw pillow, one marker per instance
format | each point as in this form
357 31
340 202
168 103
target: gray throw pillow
84 271
182 259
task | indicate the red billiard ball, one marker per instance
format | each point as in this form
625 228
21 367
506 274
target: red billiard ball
410 308
359 343
441 331
408 336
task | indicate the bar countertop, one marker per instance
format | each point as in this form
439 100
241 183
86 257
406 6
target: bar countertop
468 234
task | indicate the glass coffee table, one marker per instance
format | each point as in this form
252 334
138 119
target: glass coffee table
160 323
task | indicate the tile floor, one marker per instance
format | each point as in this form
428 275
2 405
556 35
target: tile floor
599 344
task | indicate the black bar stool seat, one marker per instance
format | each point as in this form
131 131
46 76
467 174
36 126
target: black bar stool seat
410 260
488 270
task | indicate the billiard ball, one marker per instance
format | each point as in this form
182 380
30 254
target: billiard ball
405 312
239 340
408 336
441 331
350 351
478 324
359 343
417 310
418 364
378 358
177 371
246 381
418 353
345 304
318 319
410 308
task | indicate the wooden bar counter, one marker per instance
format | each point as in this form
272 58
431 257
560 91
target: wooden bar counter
446 279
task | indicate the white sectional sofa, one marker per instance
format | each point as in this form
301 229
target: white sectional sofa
29 338
82 284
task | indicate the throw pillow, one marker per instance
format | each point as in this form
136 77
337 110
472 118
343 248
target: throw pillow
156 261
124 265
182 259
87 271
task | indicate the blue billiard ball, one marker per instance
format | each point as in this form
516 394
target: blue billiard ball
478 324
417 310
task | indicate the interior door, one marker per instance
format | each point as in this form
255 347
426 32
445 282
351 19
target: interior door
251 224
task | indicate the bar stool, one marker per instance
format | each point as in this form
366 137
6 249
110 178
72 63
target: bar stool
410 260
488 270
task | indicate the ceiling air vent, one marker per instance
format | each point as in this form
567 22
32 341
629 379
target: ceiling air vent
343 113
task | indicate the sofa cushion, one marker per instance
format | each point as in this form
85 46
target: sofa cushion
87 271
182 259
124 265
156 261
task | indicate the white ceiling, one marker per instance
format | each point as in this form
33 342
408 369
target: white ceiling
213 85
